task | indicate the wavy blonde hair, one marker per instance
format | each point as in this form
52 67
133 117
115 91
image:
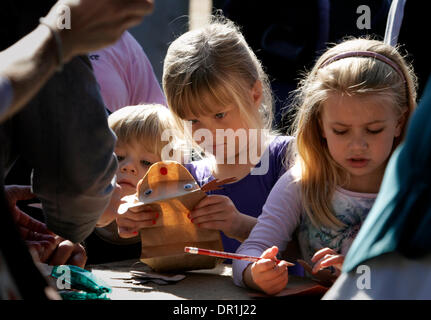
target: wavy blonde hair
213 66
144 124
317 172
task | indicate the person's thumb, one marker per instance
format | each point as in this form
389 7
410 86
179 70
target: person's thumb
270 253
19 192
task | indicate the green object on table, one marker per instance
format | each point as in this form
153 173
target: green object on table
82 295
85 284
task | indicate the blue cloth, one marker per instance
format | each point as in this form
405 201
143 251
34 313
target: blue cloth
400 219
248 194
6 93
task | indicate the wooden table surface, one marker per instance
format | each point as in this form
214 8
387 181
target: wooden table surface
211 284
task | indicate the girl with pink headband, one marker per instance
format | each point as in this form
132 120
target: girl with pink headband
351 113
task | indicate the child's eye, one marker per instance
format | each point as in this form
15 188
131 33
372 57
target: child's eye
375 131
337 132
220 115
146 163
120 158
194 121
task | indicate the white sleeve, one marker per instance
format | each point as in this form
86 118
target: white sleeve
279 218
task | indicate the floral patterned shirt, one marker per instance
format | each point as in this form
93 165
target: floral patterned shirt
351 208
283 214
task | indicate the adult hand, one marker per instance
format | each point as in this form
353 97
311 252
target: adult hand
48 247
95 23
29 227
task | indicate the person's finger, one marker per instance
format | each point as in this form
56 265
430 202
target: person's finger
141 215
135 225
270 253
28 234
277 270
78 256
209 209
210 200
49 250
23 219
208 217
62 253
143 208
316 266
328 261
19 192
31 223
43 248
127 233
136 7
264 265
321 253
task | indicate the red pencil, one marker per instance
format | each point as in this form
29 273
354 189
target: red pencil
226 255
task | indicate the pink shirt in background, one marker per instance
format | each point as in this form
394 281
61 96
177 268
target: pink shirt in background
125 75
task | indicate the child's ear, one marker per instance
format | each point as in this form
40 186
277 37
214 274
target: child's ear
257 93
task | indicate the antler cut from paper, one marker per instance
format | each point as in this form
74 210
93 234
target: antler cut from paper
215 184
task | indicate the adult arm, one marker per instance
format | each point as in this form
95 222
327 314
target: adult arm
64 136
30 62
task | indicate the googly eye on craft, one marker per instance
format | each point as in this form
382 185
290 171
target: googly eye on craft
148 192
188 186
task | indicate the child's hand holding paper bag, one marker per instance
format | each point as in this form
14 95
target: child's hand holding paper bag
165 197
135 218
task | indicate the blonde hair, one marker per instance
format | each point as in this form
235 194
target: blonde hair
318 173
211 67
145 124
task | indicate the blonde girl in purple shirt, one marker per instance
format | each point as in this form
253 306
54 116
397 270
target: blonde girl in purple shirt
214 82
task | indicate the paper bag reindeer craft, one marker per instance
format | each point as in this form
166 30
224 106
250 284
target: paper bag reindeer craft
173 192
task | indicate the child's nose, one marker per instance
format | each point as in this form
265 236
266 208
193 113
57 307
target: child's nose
129 168
359 142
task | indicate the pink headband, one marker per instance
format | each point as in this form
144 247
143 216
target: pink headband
375 55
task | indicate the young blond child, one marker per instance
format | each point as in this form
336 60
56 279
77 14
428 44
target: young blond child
145 134
352 112
214 82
